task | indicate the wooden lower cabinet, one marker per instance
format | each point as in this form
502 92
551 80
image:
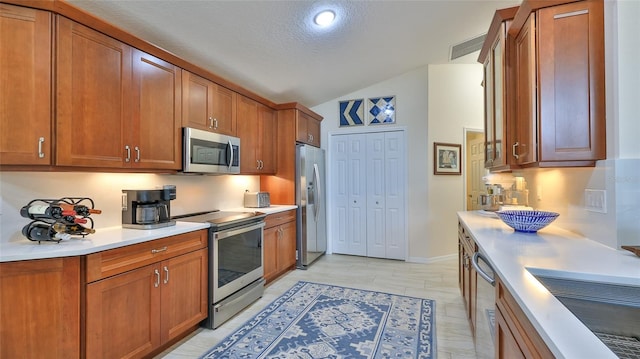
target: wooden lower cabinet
40 308
279 244
467 278
137 312
516 337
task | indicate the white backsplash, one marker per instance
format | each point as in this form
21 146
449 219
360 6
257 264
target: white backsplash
194 193
562 190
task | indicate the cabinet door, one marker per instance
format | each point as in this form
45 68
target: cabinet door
123 314
307 129
207 106
156 134
223 110
268 129
507 345
313 130
499 106
184 293
270 252
93 89
40 308
196 99
571 82
287 246
302 130
489 119
249 135
25 75
525 145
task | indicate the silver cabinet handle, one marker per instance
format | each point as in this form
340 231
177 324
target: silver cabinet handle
40 142
257 164
157 273
210 122
166 275
215 123
137 149
261 164
154 251
513 150
128 149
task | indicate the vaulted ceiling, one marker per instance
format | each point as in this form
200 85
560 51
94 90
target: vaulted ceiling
273 48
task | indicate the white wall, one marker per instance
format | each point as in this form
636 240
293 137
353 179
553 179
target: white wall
431 225
456 101
194 193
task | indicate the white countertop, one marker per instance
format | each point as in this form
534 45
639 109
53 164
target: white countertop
565 254
106 238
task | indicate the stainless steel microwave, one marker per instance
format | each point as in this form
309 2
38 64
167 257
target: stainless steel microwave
210 153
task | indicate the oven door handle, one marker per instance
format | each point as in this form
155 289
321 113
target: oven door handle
474 262
235 231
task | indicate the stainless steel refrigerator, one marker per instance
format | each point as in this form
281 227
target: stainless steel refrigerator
311 201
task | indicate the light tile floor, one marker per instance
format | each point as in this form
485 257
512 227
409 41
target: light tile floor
437 281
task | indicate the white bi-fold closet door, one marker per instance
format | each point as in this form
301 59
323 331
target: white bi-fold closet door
368 179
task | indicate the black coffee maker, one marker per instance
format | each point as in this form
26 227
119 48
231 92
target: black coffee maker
147 209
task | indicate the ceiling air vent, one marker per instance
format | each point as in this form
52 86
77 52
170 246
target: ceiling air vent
467 47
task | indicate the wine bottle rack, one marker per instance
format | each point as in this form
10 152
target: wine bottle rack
43 220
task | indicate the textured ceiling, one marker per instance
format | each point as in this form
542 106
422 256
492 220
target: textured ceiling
273 49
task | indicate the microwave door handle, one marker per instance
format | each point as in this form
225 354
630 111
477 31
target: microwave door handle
230 157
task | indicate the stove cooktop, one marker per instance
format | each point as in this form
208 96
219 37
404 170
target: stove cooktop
219 218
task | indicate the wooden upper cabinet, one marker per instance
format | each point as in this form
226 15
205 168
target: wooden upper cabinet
207 106
26 92
40 308
307 129
257 129
572 82
560 89
495 55
156 134
93 89
524 146
267 122
116 106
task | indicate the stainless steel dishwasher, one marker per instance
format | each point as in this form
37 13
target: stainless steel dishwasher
485 307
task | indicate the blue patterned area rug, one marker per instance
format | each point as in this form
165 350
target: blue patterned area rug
312 321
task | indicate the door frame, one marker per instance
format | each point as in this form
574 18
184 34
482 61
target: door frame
329 173
465 160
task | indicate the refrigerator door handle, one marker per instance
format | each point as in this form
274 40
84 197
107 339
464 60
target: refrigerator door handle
318 197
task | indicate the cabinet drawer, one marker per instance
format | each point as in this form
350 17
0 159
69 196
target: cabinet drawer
115 261
276 219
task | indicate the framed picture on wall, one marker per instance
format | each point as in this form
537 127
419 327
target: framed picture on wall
447 159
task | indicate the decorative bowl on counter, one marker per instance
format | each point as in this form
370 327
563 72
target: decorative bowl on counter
527 221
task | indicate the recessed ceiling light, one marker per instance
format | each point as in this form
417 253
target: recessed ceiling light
324 18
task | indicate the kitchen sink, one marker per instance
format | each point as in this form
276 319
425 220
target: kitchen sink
610 311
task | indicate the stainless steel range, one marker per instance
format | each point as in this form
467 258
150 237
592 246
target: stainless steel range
235 261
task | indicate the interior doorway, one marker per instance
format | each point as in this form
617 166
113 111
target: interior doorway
474 153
